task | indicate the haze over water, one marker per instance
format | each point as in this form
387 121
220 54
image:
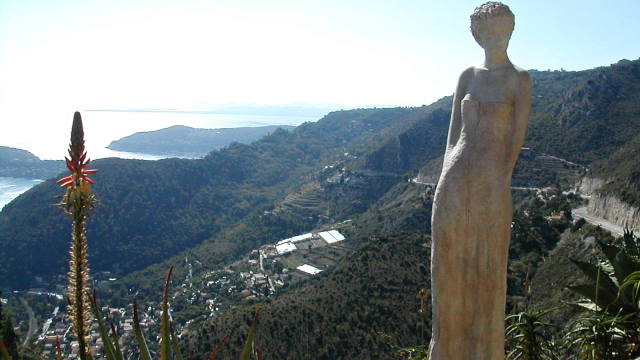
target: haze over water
10 188
103 127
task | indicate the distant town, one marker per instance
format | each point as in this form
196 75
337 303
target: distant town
260 274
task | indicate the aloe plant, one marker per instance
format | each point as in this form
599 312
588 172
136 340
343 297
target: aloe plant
168 344
613 294
600 337
249 345
169 348
77 202
526 335
607 290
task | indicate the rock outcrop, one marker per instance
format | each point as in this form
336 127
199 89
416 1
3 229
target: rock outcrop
589 185
608 206
615 210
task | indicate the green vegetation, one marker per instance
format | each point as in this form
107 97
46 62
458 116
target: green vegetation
169 348
192 200
8 338
363 299
585 116
607 325
622 172
528 338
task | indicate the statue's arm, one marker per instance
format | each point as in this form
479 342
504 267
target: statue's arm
456 117
522 111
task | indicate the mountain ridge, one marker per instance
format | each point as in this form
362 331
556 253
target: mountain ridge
22 163
180 140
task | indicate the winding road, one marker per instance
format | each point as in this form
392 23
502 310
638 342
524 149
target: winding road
581 212
33 324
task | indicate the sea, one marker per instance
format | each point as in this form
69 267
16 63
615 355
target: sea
103 127
10 188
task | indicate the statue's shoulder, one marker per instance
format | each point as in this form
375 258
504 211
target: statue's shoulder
467 75
523 75
470 71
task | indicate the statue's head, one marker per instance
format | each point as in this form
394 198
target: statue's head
492 24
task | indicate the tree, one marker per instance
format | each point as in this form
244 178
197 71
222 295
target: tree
7 335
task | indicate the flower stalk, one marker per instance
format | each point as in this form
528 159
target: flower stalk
77 202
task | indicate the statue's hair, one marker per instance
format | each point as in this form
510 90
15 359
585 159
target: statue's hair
488 11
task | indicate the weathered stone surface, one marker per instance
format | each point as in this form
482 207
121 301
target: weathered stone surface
588 185
472 206
607 206
615 210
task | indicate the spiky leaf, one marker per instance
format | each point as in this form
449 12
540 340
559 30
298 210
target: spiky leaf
607 288
142 344
248 345
109 350
116 345
218 348
603 300
165 336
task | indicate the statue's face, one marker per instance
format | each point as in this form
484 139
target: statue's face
494 33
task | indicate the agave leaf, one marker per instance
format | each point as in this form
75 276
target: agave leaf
142 344
248 345
602 299
165 337
632 280
4 351
217 349
109 350
587 304
114 335
609 251
624 265
607 288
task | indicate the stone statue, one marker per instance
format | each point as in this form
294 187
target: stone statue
472 208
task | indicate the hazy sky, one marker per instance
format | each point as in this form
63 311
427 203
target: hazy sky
59 56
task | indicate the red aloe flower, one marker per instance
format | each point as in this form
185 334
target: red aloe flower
78 162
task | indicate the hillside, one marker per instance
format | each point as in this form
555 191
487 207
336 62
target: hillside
366 307
185 141
21 163
585 116
614 185
192 200
359 299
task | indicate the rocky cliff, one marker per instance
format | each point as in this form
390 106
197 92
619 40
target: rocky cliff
588 185
615 210
608 206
